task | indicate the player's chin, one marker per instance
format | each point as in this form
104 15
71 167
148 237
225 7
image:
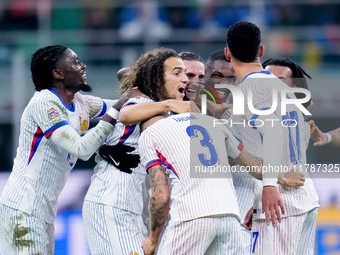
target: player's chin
191 96
179 96
85 87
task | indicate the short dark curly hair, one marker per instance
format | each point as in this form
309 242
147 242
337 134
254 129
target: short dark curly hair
43 62
213 57
148 73
243 40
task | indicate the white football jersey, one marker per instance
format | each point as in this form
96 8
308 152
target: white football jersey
243 182
188 145
41 167
295 140
109 185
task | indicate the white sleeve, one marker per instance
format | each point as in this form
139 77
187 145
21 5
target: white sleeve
95 106
49 114
272 150
81 146
233 145
147 150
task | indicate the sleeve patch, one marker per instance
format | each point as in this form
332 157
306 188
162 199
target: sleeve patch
53 115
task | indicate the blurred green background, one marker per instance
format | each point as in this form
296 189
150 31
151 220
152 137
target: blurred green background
108 35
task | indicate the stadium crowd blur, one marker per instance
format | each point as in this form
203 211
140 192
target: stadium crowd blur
161 20
107 32
105 14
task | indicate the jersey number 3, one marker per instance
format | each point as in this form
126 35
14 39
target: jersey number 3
206 141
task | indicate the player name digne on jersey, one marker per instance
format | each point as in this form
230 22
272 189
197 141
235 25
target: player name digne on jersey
191 117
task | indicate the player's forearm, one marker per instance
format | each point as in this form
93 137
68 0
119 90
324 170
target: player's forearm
251 162
81 146
132 114
159 201
111 116
159 208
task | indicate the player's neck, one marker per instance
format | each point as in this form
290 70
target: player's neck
243 69
65 95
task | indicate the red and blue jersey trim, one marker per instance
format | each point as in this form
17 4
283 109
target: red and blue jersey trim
240 146
50 131
127 132
160 161
38 136
154 162
128 129
166 163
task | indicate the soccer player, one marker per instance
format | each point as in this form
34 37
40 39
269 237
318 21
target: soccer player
52 137
114 202
219 71
204 217
195 71
290 73
279 143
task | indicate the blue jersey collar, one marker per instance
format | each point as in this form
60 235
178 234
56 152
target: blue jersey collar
264 72
70 108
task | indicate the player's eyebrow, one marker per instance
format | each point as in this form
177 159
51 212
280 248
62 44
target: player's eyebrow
216 73
179 68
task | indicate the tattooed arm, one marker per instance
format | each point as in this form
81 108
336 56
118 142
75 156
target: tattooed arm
159 207
251 162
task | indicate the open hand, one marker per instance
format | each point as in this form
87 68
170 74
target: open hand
272 204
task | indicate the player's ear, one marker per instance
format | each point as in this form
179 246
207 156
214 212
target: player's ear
57 74
261 51
227 53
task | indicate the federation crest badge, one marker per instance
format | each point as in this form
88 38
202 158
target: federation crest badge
84 125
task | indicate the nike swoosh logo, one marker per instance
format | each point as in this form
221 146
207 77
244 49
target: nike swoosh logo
114 161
